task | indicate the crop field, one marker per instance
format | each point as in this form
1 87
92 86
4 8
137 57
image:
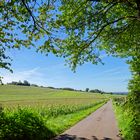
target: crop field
56 110
36 96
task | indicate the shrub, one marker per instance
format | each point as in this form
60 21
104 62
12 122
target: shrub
128 119
23 124
67 88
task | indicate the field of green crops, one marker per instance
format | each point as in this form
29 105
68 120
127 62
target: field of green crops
31 107
35 96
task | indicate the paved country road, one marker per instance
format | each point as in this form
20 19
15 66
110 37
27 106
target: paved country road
100 125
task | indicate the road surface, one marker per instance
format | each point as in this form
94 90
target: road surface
100 125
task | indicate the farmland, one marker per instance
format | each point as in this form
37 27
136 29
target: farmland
57 109
32 96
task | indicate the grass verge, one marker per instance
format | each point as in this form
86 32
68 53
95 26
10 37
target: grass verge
123 122
63 122
129 129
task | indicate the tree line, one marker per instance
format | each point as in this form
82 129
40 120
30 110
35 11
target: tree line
20 83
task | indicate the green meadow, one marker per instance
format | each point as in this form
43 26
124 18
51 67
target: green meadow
36 96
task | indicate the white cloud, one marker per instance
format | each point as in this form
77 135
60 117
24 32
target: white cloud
56 67
113 70
51 75
110 72
21 75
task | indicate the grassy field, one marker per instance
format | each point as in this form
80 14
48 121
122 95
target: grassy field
31 96
56 110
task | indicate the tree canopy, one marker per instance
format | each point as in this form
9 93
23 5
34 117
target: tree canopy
92 26
88 26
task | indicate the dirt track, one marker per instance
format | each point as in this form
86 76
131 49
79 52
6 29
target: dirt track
100 125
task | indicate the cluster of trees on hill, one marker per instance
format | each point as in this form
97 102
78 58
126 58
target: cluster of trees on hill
86 90
71 89
20 83
65 88
24 83
103 92
94 91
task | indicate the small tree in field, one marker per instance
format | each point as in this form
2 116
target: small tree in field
87 89
1 83
26 83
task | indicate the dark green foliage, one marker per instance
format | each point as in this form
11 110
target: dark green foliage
24 83
34 85
128 117
119 100
96 91
87 89
51 87
67 88
133 105
133 109
23 125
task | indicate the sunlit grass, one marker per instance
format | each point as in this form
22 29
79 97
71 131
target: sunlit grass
36 96
63 122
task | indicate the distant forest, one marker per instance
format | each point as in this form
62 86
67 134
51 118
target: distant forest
20 83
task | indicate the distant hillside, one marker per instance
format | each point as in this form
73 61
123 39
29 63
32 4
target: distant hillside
122 93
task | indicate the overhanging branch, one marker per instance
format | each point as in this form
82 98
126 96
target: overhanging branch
103 27
34 18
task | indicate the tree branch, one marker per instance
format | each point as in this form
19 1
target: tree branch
103 27
33 18
105 9
29 11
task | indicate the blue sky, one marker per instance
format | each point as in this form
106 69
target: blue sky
51 71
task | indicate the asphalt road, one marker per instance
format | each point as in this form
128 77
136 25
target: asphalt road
100 125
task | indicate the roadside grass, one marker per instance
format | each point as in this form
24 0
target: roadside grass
123 122
59 124
129 129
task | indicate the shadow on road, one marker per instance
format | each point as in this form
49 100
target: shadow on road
95 138
74 137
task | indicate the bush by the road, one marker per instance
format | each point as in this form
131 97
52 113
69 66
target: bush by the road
128 120
23 124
